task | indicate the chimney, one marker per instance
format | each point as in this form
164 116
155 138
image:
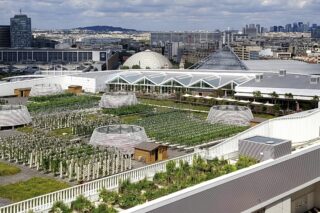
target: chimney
259 77
282 72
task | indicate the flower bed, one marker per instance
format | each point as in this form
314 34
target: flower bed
174 179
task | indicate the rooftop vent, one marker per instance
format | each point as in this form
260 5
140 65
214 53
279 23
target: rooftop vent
314 79
282 72
259 77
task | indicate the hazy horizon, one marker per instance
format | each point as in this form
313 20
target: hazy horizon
161 15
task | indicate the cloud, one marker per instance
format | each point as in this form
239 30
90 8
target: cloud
162 14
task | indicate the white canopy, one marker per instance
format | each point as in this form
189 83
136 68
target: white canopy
244 102
256 103
231 100
268 104
208 97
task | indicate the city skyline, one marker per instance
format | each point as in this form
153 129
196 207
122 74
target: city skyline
162 15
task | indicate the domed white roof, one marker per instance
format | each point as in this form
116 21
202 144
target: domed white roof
148 59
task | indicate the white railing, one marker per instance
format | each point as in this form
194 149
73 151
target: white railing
297 128
91 189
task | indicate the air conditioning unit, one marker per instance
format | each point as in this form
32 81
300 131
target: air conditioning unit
314 79
259 77
282 72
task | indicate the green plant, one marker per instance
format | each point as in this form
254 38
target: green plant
125 67
82 205
103 208
60 207
129 200
245 161
136 67
109 197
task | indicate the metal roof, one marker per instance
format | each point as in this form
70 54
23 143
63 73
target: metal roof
266 140
289 65
223 59
273 80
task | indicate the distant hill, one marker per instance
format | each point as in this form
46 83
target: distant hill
106 29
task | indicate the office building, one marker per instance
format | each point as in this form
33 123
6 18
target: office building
315 33
188 38
5 36
51 55
20 31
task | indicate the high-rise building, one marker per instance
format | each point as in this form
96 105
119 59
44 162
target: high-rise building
315 33
20 31
5 36
288 28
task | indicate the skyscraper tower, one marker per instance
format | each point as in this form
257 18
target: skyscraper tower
20 31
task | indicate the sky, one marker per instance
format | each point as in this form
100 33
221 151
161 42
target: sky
161 15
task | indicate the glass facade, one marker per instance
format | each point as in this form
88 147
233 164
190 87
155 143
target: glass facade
47 56
20 31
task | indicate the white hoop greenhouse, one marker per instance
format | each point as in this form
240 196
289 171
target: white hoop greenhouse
14 115
122 137
118 99
46 89
230 114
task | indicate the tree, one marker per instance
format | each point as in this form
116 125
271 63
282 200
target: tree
274 96
257 94
315 99
289 97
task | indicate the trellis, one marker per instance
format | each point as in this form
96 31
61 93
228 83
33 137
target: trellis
70 159
78 121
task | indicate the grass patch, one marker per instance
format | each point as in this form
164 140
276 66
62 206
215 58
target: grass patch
61 132
267 116
6 169
25 129
31 188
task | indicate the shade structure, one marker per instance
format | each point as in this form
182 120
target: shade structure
231 100
121 137
46 89
118 99
219 99
230 114
208 97
14 115
187 95
244 101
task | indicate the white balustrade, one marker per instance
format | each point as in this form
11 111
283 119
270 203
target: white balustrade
91 189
